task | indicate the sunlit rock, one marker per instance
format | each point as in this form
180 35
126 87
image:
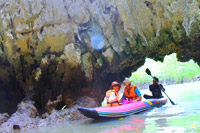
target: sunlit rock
109 55
38 73
87 65
72 55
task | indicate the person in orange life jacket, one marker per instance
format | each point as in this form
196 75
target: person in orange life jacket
112 96
132 93
155 88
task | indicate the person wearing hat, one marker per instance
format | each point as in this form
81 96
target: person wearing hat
155 89
131 93
112 96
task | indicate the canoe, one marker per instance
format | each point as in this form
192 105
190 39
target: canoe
105 112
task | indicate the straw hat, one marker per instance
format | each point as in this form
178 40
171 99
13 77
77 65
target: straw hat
115 83
126 82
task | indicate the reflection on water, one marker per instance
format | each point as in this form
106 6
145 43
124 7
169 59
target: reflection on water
136 124
183 117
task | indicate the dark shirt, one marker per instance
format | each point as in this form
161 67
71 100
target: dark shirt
156 92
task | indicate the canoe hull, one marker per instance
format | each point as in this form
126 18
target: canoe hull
121 111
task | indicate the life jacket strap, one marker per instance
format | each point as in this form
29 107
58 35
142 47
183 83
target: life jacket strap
111 104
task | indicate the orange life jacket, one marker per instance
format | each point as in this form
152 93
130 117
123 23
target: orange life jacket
115 103
130 94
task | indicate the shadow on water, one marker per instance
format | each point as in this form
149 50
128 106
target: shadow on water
93 121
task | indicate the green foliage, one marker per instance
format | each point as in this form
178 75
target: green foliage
171 69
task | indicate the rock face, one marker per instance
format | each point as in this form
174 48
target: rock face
3 118
27 108
77 48
25 119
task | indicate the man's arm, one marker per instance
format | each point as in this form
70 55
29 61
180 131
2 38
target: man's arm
139 98
161 87
137 92
150 88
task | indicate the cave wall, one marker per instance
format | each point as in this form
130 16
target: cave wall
78 48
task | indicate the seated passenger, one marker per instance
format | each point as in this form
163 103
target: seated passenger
131 93
112 96
155 88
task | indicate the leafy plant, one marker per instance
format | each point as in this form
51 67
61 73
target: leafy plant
171 69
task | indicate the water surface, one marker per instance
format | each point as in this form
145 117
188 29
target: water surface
183 117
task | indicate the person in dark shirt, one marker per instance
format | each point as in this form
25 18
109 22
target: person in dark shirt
155 89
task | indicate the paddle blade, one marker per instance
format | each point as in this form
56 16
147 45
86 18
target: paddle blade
172 102
148 71
169 98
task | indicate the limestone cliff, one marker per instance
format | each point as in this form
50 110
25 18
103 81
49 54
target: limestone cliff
77 47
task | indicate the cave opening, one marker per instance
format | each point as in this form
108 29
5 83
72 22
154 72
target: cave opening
170 71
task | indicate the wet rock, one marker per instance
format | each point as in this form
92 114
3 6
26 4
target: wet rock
28 108
24 118
3 118
51 105
23 121
69 101
45 115
86 101
76 115
16 127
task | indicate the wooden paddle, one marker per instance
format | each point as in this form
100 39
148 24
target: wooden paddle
149 73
